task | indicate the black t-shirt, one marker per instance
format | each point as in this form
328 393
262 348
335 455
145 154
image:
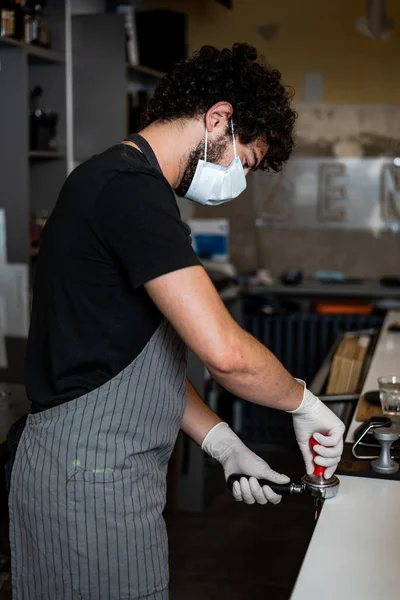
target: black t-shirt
116 225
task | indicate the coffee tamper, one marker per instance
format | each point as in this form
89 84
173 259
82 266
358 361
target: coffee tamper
385 465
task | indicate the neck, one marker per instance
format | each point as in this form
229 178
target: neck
171 143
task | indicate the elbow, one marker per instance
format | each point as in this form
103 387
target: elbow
225 363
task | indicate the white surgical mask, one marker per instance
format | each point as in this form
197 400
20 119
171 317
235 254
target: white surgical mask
213 184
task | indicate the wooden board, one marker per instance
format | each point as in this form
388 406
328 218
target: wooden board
366 410
347 365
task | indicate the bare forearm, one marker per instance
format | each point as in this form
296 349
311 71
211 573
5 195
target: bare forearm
198 419
258 376
237 361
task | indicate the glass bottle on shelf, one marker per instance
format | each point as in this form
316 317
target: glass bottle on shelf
44 29
42 124
39 30
27 23
7 18
34 23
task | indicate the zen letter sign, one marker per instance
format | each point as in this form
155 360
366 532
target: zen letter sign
347 193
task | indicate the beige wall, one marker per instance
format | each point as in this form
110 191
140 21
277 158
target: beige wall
313 35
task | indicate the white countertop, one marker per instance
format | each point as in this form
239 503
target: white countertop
354 552
386 361
355 549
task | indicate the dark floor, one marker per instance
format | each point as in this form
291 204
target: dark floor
241 552
231 551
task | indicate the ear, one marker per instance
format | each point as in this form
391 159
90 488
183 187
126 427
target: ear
218 117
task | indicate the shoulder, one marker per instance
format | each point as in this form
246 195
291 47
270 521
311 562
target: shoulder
140 190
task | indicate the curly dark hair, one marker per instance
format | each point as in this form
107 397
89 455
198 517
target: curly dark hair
261 103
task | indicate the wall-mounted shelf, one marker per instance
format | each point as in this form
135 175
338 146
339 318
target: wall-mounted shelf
45 155
36 54
31 180
5 41
145 71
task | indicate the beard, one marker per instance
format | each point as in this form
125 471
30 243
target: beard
215 152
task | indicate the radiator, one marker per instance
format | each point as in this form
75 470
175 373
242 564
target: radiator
301 341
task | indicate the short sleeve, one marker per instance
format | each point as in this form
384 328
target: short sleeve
139 221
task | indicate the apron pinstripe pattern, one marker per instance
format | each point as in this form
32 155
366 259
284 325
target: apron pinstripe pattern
88 485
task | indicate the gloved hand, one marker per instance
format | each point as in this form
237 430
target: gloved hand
314 419
224 445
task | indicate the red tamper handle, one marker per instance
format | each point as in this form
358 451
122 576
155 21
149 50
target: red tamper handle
318 470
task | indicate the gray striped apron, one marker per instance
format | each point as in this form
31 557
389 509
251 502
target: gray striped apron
88 485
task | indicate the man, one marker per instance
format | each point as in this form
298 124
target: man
119 294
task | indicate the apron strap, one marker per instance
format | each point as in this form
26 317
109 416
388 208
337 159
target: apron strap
146 149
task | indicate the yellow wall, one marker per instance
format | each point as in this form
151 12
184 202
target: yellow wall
313 35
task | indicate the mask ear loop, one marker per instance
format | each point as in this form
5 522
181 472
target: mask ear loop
234 141
205 146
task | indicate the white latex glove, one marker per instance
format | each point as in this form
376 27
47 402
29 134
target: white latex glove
314 419
224 445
